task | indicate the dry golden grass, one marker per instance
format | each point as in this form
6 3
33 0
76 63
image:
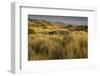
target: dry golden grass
44 46
76 44
54 42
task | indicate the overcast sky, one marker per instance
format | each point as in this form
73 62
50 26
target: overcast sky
63 19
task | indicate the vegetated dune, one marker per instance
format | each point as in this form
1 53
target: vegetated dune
49 40
76 44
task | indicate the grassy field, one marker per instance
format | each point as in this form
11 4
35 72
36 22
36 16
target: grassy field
51 40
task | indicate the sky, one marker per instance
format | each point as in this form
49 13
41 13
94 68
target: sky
62 19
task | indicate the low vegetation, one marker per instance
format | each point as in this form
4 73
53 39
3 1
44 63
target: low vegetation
49 40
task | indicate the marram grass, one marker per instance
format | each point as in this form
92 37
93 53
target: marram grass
48 41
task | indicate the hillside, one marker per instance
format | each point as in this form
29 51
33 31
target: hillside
56 40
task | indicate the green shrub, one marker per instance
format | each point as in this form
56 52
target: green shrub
31 31
44 27
68 26
52 32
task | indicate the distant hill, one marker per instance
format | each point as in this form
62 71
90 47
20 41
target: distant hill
38 22
53 25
